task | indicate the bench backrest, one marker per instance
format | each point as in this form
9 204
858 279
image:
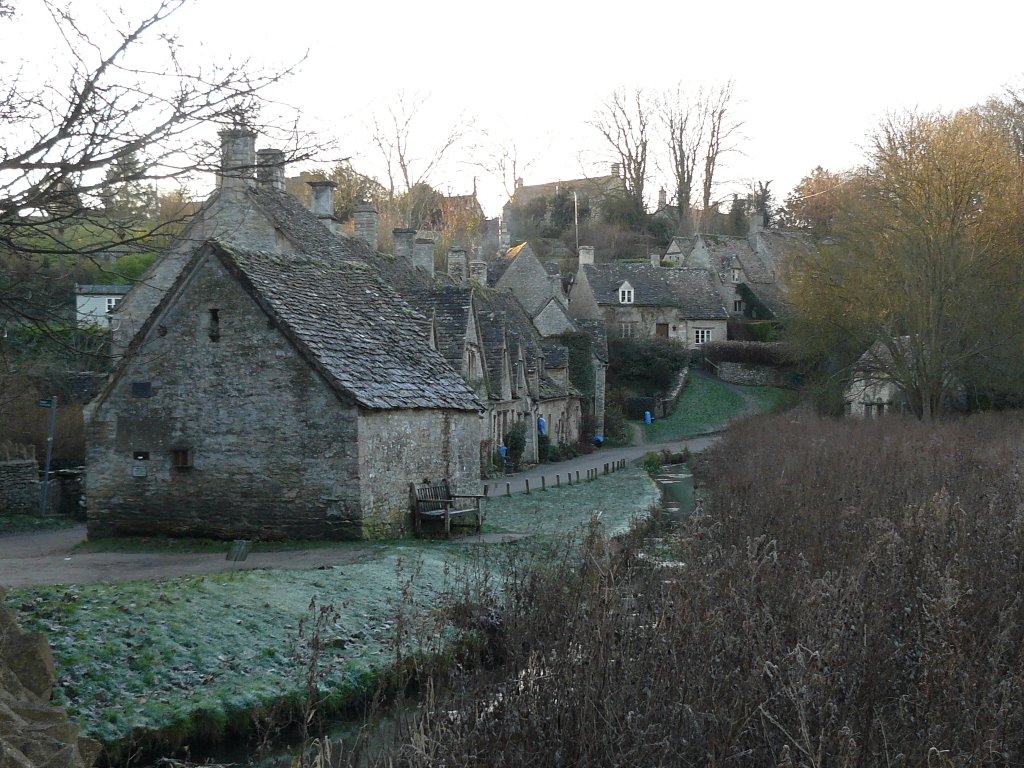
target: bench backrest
431 497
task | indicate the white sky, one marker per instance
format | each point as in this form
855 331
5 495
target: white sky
812 78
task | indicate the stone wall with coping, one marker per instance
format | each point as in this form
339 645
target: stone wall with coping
752 375
19 487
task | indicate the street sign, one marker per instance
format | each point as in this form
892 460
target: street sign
45 403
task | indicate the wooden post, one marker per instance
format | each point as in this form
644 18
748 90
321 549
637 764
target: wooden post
486 488
543 483
527 484
606 467
508 489
577 475
558 481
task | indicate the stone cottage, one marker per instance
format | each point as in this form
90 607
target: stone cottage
748 272
274 384
642 300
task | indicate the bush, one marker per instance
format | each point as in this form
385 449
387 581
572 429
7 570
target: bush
515 441
647 366
748 352
543 447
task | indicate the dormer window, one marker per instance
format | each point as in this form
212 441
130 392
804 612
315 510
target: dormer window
625 294
737 275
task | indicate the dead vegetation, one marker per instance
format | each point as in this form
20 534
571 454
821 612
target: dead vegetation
854 599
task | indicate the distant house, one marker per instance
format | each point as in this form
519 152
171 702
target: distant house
272 383
588 195
642 300
94 304
872 391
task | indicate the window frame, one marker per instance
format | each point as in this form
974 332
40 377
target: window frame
181 459
702 336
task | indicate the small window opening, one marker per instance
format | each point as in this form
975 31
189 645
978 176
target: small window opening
214 325
140 455
142 389
181 458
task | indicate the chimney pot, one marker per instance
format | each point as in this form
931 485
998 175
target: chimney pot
405 240
270 169
237 158
365 215
457 264
322 203
478 272
423 254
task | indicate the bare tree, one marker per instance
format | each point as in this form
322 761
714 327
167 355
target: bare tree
504 160
58 144
624 122
716 105
398 133
683 120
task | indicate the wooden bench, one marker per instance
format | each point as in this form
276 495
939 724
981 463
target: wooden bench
435 501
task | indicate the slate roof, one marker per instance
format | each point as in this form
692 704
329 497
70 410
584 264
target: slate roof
556 356
598 336
725 253
596 186
691 290
352 327
102 290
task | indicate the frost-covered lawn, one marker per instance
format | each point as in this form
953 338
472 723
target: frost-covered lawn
616 499
707 405
193 656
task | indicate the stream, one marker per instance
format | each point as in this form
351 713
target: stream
676 484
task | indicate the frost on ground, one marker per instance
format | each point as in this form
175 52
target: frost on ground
194 655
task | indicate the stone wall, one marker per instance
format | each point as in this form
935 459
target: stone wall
752 375
19 487
32 733
405 446
273 451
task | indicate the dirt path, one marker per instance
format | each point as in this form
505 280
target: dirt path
46 557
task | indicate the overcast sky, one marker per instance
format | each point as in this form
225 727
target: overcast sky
812 78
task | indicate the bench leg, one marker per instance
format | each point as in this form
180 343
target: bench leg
447 525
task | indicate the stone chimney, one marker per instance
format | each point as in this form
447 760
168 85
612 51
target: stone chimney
478 272
655 259
322 204
615 171
423 254
457 264
237 159
405 240
519 183
270 169
662 198
586 254
365 215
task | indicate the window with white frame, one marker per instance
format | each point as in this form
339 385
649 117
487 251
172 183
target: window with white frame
701 336
112 302
737 275
625 294
737 305
627 330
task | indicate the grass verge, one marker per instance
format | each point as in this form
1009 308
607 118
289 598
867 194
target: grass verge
29 523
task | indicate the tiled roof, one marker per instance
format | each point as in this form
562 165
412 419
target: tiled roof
556 355
365 339
691 290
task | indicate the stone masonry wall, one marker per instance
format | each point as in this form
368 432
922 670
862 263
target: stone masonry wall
273 450
750 375
19 487
401 447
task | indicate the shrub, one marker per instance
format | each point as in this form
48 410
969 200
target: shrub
515 441
543 447
647 366
748 352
